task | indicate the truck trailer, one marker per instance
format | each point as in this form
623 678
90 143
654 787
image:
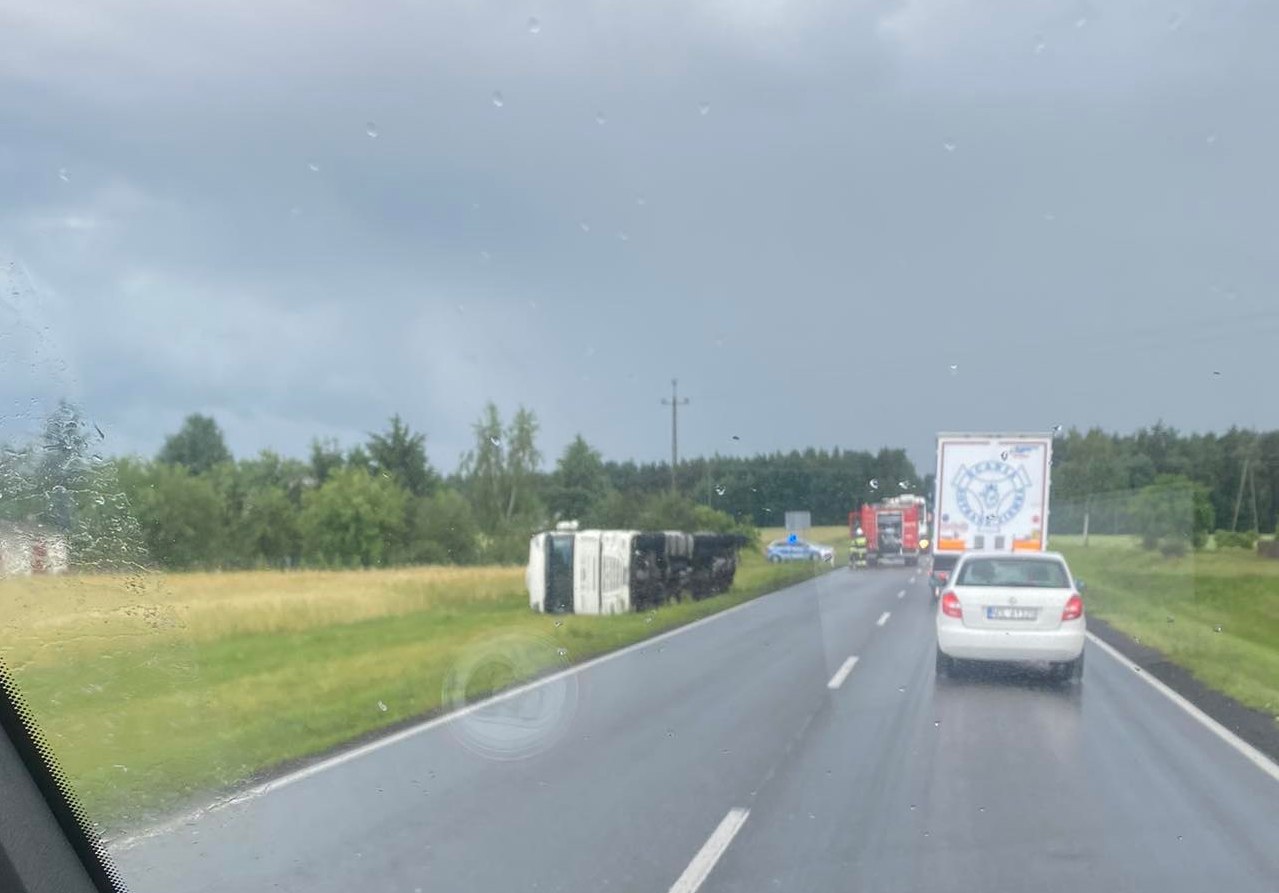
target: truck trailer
991 496
617 571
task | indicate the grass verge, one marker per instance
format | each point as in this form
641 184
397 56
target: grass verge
1215 613
158 691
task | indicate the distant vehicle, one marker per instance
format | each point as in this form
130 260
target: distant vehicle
892 528
1012 607
795 549
991 496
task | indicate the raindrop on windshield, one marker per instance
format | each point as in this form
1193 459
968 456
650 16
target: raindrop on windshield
381 706
559 623
63 175
1080 22
1216 629
936 723
901 688
562 652
641 201
954 368
585 227
949 147
534 25
1210 138
601 118
371 129
720 490
496 441
1040 45
903 485
737 437
313 167
1175 20
874 483
704 108
498 101
1057 429
1004 455
912 807
623 236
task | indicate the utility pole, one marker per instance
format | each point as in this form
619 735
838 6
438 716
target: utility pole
675 403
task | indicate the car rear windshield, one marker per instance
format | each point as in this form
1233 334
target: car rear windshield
1013 572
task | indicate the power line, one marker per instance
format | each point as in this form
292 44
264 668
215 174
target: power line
675 403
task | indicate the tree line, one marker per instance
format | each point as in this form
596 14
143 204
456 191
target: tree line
1171 488
382 502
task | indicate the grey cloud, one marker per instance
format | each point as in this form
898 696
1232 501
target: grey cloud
810 258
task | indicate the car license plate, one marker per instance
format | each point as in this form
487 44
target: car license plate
1009 613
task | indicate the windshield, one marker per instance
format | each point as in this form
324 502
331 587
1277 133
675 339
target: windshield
463 445
1012 572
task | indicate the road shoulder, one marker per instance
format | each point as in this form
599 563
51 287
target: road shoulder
1256 727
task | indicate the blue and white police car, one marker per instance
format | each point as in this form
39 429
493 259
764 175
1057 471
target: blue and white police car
792 548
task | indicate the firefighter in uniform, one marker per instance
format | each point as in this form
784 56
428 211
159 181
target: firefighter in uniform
857 553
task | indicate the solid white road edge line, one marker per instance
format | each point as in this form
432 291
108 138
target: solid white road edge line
883 618
252 793
698 870
1254 756
842 673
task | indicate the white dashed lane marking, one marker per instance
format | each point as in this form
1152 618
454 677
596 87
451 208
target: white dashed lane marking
842 673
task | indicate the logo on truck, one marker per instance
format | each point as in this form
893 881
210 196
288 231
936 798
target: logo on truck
990 493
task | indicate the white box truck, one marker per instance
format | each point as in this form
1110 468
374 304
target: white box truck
991 496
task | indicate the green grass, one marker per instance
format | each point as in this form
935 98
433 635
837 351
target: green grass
204 681
1216 613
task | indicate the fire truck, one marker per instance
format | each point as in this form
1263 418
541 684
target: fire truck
892 528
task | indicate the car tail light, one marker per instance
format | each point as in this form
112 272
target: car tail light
950 605
1074 608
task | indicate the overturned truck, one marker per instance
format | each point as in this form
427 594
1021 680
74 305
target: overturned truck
617 571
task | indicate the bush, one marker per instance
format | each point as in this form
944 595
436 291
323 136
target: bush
1230 539
1173 547
1173 509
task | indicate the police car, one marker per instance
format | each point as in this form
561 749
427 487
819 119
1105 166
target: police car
795 549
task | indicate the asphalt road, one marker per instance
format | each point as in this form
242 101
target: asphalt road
721 758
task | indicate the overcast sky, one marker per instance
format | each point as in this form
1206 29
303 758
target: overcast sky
839 223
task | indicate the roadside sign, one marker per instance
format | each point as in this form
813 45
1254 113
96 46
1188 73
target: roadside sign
797 521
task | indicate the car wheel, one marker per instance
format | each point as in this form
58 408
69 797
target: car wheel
1075 671
1069 671
945 665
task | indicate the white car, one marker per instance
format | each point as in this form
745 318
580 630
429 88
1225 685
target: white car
1012 607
